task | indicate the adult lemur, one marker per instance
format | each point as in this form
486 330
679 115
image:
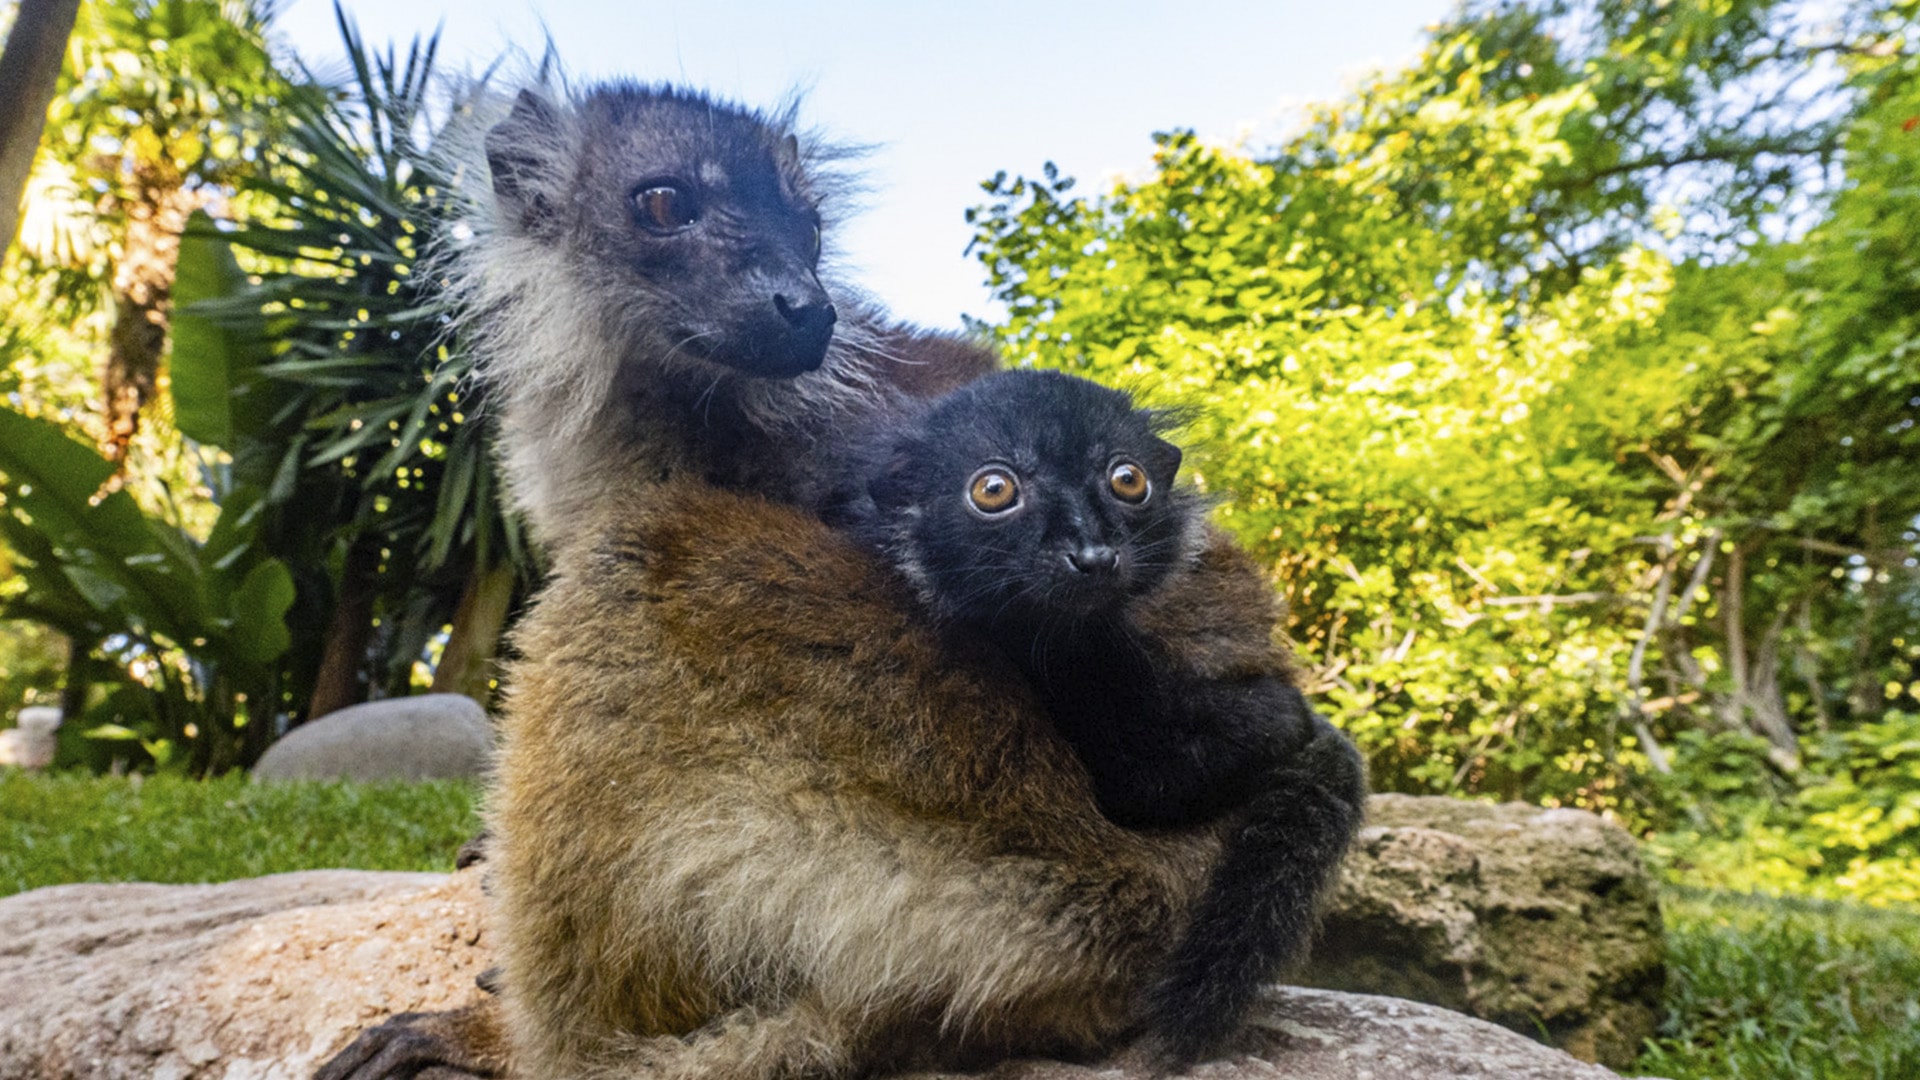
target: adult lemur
755 817
644 297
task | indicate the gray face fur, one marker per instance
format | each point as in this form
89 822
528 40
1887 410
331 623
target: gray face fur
694 223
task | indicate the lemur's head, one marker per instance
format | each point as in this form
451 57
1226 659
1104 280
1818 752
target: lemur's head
694 223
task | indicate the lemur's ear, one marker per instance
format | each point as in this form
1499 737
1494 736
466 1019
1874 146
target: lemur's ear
514 153
889 489
1164 458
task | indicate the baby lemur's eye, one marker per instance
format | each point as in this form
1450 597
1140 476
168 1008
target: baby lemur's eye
993 490
664 208
1128 481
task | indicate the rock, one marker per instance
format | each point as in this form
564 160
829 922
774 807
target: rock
1302 1034
1538 920
250 979
31 744
264 979
424 737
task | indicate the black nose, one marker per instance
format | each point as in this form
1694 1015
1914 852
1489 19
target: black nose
1094 559
810 320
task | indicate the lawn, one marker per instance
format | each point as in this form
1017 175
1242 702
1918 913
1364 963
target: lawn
1759 988
60 829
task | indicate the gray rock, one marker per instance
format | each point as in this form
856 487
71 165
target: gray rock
1543 921
32 742
424 737
243 981
266 978
1300 1034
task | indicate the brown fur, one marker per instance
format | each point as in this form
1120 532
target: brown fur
753 818
749 799
1220 616
742 780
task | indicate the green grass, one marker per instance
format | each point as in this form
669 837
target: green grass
1761 988
60 829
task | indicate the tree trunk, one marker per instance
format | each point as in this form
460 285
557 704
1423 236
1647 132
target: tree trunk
1733 711
29 71
73 695
339 681
1866 696
1636 663
1807 665
156 215
467 663
1766 704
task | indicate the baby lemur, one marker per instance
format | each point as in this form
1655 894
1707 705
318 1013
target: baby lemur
756 815
1039 512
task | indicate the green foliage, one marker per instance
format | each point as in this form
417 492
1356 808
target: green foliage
353 477
191 630
1849 829
1393 436
1564 444
58 829
329 374
32 659
219 392
1772 990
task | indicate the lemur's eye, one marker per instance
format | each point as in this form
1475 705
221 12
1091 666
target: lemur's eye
993 490
1128 481
664 208
816 243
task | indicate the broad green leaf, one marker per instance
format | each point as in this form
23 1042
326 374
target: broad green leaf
259 632
208 361
107 549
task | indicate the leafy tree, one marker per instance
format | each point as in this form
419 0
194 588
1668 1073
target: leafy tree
1487 356
332 379
169 102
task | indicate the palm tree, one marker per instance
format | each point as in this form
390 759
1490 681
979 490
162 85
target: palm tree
359 513
169 103
355 415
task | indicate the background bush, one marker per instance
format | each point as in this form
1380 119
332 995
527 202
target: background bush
1568 381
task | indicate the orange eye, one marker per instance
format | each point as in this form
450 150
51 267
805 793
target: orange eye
1128 481
664 208
993 490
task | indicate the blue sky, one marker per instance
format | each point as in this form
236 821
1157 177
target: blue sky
948 93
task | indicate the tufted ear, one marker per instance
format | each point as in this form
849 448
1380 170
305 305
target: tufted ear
891 487
514 153
1163 458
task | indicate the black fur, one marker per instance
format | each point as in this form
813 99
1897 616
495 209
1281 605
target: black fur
736 282
1259 911
1012 573
1164 746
